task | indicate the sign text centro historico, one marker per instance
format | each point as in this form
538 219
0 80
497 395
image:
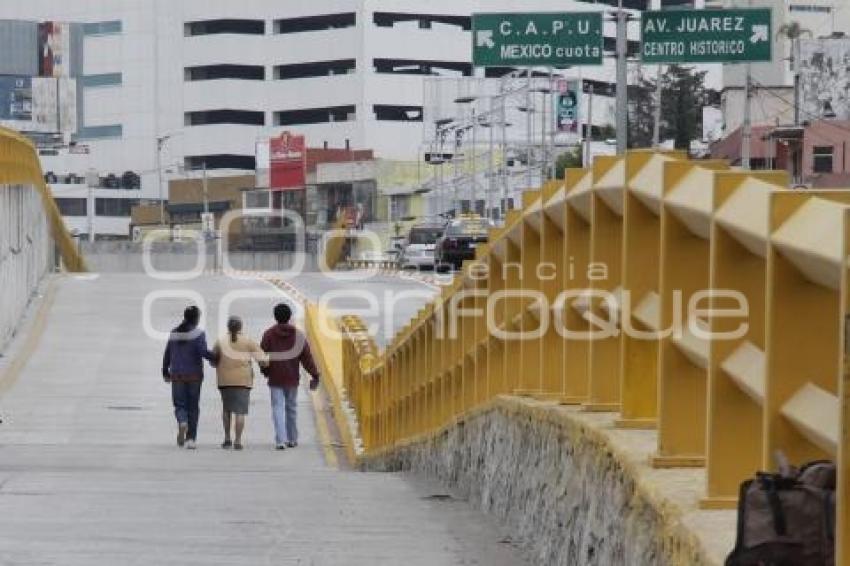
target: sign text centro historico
706 36
532 39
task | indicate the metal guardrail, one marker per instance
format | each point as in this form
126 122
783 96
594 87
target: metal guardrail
663 229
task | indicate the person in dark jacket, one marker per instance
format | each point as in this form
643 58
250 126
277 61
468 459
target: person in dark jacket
183 367
288 351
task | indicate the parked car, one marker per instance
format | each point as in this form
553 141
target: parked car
460 239
418 250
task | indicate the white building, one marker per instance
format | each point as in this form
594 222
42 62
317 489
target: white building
773 82
211 77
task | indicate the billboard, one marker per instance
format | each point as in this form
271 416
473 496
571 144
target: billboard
54 49
288 162
567 107
824 79
38 104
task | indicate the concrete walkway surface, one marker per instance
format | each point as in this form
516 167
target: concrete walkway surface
90 473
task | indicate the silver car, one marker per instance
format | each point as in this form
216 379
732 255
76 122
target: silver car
418 251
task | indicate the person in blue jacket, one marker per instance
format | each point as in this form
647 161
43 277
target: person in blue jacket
183 367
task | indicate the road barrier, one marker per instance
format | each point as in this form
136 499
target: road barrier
19 165
28 216
675 239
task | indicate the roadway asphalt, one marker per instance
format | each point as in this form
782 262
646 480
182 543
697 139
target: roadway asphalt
90 474
397 298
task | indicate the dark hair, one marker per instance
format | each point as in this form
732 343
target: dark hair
234 326
282 313
191 318
192 315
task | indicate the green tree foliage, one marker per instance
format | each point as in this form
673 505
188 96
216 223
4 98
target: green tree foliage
683 96
568 159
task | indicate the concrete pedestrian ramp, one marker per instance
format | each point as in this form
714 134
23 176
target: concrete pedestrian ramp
90 474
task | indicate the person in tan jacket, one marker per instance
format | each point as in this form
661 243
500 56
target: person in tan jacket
235 373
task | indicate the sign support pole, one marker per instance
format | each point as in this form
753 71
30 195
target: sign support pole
503 169
622 81
588 134
528 133
746 127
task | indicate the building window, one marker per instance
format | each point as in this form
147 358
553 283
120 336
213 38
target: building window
72 206
422 21
315 69
257 199
213 72
216 27
822 159
102 28
105 79
397 113
400 205
118 207
422 67
239 117
315 23
316 115
221 161
100 132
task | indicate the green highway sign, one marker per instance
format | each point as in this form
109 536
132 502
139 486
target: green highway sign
546 39
706 36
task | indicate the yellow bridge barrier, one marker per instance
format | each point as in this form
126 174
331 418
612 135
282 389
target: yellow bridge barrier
335 245
725 300
19 165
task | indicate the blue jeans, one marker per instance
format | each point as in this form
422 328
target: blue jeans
284 414
186 397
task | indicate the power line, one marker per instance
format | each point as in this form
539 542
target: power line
809 114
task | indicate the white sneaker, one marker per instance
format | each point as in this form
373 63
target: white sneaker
190 444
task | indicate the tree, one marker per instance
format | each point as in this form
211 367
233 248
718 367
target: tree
683 96
568 159
682 99
641 111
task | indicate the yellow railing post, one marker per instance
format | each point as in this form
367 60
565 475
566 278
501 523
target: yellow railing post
640 309
605 274
737 366
685 261
530 378
578 215
552 271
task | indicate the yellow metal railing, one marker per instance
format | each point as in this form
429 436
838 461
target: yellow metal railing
19 165
335 244
665 254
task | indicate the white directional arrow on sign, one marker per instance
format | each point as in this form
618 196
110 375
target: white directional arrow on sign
760 33
485 39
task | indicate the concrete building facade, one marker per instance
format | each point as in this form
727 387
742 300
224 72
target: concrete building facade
171 86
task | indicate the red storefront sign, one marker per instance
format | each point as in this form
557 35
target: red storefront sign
288 162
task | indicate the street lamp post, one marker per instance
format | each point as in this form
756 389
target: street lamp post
160 144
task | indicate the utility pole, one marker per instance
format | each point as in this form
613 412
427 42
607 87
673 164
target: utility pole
205 188
622 80
528 130
160 141
746 127
656 120
490 186
503 170
588 128
473 193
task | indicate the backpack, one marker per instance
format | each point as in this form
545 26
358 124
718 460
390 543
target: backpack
787 519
